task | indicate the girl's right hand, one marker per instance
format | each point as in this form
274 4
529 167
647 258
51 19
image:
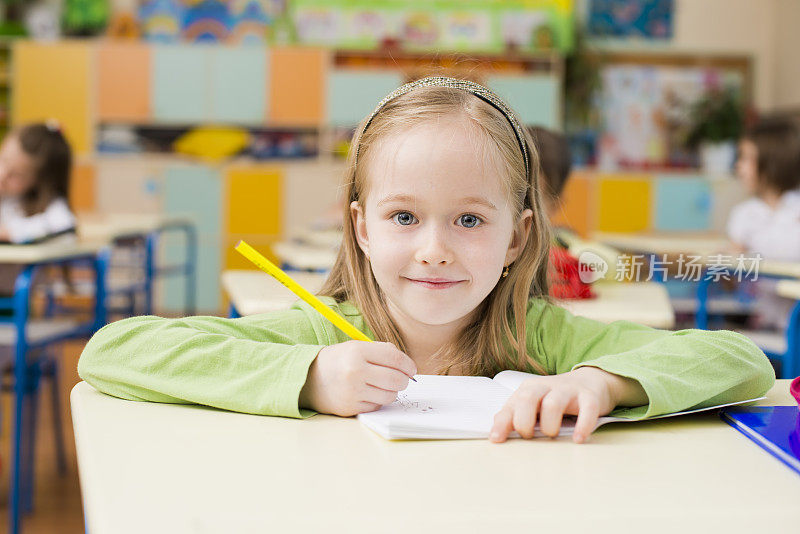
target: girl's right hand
356 376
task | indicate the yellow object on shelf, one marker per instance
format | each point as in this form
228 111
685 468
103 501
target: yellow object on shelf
212 143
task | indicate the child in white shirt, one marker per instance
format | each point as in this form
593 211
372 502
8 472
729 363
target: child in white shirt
35 165
769 223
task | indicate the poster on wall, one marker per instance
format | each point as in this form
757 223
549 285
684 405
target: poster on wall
209 21
646 112
487 26
645 19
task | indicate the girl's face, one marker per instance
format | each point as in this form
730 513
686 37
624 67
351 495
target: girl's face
436 225
747 166
17 169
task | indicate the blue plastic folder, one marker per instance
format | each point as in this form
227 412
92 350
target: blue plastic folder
776 429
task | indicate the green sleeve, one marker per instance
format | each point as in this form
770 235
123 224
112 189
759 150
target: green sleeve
256 364
678 370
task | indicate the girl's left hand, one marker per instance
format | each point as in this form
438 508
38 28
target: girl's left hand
587 392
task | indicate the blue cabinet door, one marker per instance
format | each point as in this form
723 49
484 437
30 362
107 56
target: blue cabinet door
682 203
180 83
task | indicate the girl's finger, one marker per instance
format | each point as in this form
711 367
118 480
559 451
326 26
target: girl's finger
526 406
385 378
588 412
502 425
552 412
377 395
364 407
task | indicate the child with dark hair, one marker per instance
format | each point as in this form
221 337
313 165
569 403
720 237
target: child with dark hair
768 224
35 163
555 165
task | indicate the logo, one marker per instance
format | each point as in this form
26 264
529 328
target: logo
591 267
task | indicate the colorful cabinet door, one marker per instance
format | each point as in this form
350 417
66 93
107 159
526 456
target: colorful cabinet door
194 191
53 81
238 84
297 86
625 203
535 98
682 203
181 75
123 82
353 94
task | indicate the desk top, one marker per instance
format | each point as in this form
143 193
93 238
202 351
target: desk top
254 292
645 303
105 228
302 256
667 243
55 250
176 469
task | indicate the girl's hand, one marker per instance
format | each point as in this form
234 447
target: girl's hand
587 392
356 376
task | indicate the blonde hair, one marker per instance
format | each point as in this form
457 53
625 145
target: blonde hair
498 329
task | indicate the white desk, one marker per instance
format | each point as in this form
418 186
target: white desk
254 292
56 250
148 467
667 243
646 303
106 228
302 256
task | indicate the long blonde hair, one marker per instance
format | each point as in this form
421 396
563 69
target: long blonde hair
497 331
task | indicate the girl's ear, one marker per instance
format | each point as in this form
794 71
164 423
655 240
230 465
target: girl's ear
520 236
359 226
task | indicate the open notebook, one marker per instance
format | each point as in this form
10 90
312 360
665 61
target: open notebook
460 407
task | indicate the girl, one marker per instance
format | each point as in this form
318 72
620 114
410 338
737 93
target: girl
35 162
768 224
445 239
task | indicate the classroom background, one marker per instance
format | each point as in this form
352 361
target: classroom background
197 124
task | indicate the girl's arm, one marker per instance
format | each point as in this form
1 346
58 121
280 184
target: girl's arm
677 370
594 368
256 364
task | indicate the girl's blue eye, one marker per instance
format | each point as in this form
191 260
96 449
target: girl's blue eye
403 218
469 221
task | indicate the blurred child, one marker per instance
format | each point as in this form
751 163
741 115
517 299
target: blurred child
35 162
555 165
769 223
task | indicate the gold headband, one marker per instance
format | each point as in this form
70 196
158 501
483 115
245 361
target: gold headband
471 87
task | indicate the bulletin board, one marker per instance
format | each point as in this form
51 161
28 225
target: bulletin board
645 99
488 26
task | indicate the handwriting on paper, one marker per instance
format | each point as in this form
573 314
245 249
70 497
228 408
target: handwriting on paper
407 404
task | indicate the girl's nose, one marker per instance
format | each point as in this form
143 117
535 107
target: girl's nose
434 248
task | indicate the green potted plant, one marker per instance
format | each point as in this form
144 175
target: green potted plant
716 121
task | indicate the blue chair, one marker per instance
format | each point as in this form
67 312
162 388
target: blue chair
29 341
783 347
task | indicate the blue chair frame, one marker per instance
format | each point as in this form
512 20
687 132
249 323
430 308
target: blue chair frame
26 373
790 359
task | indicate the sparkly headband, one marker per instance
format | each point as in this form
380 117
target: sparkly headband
471 87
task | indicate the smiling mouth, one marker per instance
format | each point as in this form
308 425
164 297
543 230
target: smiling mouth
435 283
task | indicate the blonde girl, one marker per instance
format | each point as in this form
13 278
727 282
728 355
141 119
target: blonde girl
444 262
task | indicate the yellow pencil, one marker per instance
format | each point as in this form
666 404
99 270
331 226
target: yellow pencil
270 268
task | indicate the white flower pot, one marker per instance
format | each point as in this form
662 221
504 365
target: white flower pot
718 158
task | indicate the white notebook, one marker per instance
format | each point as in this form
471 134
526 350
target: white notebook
461 407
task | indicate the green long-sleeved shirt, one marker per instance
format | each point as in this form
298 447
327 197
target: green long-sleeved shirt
258 364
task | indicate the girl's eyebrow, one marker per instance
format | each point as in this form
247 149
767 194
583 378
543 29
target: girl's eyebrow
466 200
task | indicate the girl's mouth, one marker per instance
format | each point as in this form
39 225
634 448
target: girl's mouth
434 283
